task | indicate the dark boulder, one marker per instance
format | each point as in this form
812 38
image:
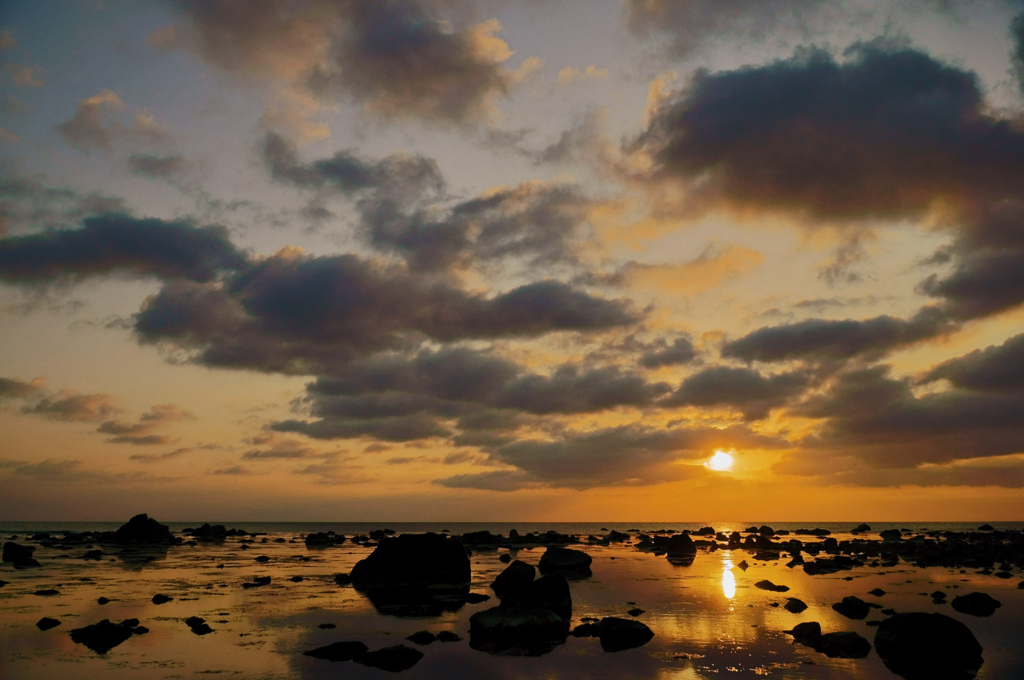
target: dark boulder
257 582
414 558
861 528
505 557
198 625
852 607
768 585
323 539
635 611
618 634
143 529
891 535
976 604
423 638
46 623
160 598
807 633
93 555
795 605
919 646
564 559
338 651
102 600
476 598
515 577
47 592
986 527
877 592
448 636
394 659
103 636
19 555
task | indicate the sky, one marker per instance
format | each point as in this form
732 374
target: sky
470 260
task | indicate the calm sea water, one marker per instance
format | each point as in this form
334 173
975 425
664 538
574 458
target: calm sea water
709 620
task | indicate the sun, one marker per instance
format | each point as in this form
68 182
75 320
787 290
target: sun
720 462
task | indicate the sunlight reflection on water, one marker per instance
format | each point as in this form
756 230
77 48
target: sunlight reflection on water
728 580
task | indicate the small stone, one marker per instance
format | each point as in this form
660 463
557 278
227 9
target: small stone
160 598
46 623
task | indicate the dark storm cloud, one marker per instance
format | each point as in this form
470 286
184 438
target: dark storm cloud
570 390
679 352
396 57
690 23
824 340
160 167
993 369
742 388
538 221
883 134
118 243
299 314
873 417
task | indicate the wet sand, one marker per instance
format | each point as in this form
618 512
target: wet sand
708 618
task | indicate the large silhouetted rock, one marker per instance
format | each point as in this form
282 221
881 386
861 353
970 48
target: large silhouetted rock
549 592
415 575
143 529
618 634
46 623
852 607
564 559
843 645
19 555
976 604
516 576
680 546
921 646
768 585
795 605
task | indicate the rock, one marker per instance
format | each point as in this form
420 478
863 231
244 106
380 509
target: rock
861 528
257 582
476 598
160 598
517 631
19 555
46 623
586 630
343 579
794 605
807 633
198 625
743 565
103 636
891 535
620 634
505 557
921 646
395 659
844 645
681 545
47 592
338 651
768 585
447 636
515 577
986 527
1020 585
877 592
564 559
414 558
549 592
296 579
852 607
142 529
262 558
323 540
636 611
976 604
102 600
3 583
423 637
93 555
765 530
326 626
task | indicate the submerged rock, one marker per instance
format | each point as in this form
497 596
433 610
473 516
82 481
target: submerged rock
919 646
976 604
852 607
618 634
46 623
768 585
395 659
338 651
103 636
564 559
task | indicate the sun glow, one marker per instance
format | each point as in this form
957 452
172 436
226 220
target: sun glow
720 462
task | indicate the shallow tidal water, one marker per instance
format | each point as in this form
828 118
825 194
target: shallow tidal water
708 618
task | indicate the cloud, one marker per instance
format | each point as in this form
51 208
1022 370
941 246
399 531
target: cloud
11 388
118 243
160 457
742 388
690 23
86 129
824 340
233 470
285 449
295 313
25 76
570 390
155 167
27 204
1017 56
571 74
397 59
141 432
705 272
681 351
68 406
997 369
498 480
52 470
396 196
